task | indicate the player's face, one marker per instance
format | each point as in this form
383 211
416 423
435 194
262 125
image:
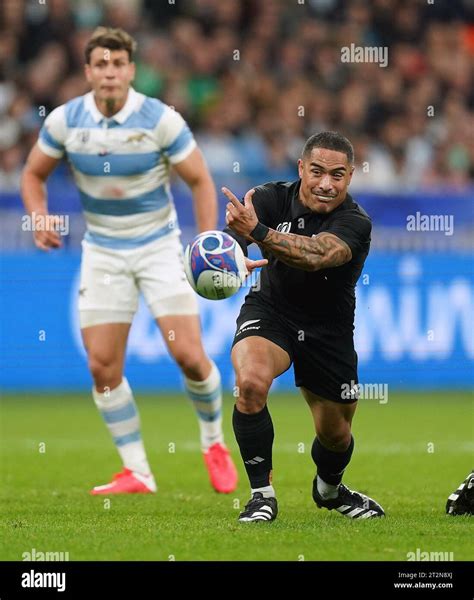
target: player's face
325 176
110 73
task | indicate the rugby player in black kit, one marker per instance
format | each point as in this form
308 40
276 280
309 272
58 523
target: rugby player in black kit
314 239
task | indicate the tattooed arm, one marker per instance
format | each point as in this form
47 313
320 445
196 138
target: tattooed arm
321 251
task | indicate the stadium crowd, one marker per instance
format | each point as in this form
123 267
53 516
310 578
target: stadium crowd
254 79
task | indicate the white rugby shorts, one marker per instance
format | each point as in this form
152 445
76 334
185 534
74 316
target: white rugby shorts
111 281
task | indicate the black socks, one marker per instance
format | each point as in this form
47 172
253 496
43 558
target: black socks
254 434
331 464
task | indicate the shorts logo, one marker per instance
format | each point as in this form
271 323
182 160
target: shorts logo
284 227
246 325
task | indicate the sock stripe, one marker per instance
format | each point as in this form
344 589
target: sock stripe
128 438
120 414
128 411
206 408
125 427
206 397
209 417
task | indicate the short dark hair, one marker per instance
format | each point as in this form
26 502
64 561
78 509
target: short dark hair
111 38
331 140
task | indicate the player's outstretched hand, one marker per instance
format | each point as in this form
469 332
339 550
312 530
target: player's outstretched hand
255 264
241 218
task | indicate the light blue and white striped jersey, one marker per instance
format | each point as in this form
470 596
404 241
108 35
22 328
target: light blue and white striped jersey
121 165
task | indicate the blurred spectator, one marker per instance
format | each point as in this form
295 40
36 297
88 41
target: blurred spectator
256 78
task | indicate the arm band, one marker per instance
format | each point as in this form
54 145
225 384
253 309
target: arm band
259 233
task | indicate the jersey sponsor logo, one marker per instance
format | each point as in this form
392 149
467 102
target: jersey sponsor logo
284 227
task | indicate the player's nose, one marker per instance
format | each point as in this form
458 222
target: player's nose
325 183
110 71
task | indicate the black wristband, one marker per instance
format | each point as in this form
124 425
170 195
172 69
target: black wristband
259 233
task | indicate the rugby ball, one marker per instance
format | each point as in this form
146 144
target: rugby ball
215 265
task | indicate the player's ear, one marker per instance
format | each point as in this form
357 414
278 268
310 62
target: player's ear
351 172
87 72
132 71
300 167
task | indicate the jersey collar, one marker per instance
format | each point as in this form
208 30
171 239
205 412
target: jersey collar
132 102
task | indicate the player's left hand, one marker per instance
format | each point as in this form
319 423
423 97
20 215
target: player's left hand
241 218
254 264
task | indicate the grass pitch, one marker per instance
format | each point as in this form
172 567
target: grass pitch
410 454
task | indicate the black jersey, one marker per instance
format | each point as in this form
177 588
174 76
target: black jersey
327 295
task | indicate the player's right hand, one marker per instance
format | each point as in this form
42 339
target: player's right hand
48 238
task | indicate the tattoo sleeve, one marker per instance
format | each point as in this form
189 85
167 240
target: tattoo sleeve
322 251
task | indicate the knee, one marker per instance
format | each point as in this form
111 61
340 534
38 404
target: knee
105 370
253 386
335 438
